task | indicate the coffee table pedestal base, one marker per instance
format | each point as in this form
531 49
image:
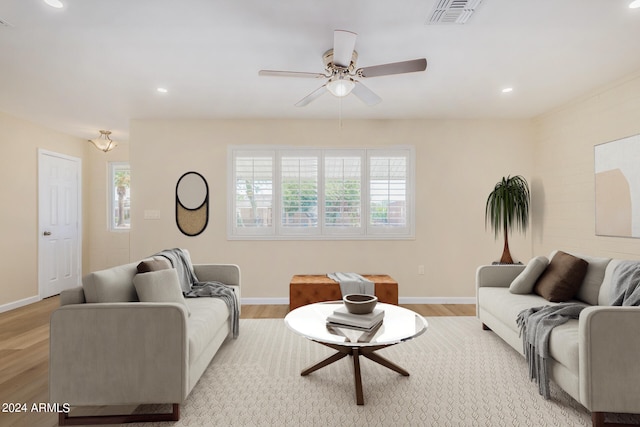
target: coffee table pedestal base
356 352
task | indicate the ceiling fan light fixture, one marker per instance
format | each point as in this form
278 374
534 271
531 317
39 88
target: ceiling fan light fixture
54 3
340 86
104 142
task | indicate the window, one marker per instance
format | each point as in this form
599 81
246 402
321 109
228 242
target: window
253 193
287 193
119 196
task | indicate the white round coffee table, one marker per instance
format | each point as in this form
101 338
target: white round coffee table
399 325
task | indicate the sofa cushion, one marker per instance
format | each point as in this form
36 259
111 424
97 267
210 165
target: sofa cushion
159 286
111 285
505 306
208 315
153 265
524 282
562 278
604 295
563 345
590 287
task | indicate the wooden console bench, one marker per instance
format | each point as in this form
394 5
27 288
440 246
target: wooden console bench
307 289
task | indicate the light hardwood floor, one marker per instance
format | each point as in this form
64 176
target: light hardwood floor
24 352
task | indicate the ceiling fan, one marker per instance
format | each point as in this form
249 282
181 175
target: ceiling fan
342 75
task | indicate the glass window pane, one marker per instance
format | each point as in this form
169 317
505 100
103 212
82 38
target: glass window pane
342 192
299 180
120 200
254 191
388 191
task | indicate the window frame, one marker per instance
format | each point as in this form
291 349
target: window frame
114 167
276 231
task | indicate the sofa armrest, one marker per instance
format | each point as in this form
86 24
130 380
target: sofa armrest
72 296
118 354
497 275
609 345
229 274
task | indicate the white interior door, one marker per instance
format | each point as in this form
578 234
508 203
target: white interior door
59 253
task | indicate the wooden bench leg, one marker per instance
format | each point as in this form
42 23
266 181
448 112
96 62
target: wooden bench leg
66 420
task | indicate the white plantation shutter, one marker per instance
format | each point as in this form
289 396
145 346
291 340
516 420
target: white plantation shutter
253 192
284 193
299 193
389 192
343 192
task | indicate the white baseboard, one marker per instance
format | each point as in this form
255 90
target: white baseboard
264 301
401 300
19 303
285 301
437 300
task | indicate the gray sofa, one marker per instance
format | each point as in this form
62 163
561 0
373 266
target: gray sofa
108 348
593 358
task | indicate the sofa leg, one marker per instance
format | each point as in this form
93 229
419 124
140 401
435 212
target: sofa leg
66 420
597 420
485 327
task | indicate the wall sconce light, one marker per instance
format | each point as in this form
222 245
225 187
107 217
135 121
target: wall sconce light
104 142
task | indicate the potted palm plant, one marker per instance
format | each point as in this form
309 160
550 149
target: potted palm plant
508 209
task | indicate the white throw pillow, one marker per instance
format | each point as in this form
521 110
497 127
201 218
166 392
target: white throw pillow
524 282
159 286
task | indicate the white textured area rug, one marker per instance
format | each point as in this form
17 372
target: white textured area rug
460 376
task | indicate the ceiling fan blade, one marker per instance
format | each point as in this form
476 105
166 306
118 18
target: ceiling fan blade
275 73
312 96
393 68
344 42
365 94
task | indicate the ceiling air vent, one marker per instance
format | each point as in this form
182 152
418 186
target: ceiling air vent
4 23
452 11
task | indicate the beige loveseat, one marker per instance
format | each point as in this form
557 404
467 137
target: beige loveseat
107 348
595 358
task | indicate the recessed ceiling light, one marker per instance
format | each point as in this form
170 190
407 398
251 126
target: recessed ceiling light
162 90
634 4
507 90
54 3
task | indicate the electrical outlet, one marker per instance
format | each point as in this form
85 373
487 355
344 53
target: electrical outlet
421 269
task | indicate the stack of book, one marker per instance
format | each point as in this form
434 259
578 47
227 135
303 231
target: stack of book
363 322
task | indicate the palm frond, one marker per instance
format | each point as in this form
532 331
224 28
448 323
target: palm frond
507 207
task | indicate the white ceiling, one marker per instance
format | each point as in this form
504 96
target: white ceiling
96 64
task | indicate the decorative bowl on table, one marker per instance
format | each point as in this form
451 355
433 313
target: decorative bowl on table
360 303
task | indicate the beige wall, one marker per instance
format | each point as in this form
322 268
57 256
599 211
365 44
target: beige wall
458 163
563 183
20 141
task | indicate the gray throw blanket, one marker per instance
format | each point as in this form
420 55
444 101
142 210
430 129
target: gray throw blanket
536 325
193 288
625 284
352 283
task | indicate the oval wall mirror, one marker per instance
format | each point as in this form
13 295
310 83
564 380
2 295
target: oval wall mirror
192 204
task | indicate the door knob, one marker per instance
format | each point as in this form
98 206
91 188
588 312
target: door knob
47 233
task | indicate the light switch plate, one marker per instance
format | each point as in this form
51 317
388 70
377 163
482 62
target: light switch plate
151 214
